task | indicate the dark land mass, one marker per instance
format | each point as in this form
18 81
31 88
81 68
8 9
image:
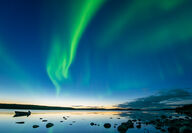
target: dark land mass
41 107
32 107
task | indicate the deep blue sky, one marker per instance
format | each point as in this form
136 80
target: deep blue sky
128 49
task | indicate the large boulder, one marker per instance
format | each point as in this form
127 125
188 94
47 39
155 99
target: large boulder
107 125
125 125
48 125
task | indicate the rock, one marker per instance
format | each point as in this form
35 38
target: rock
64 118
122 128
186 117
125 125
185 129
152 122
138 126
22 122
163 130
163 117
44 120
118 118
40 118
173 130
48 125
61 121
158 127
130 124
107 125
92 124
138 123
35 126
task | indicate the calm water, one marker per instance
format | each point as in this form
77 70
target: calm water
80 121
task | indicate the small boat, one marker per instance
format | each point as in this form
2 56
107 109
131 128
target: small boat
21 113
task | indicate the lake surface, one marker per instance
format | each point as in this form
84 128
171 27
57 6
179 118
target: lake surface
77 121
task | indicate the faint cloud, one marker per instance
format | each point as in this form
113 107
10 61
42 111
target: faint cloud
164 99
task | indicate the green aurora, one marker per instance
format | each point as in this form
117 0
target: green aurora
90 51
61 57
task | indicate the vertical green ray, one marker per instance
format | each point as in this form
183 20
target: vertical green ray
88 10
63 52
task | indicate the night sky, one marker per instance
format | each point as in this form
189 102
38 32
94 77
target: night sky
93 52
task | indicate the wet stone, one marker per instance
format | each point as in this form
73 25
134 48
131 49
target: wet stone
48 125
35 126
107 125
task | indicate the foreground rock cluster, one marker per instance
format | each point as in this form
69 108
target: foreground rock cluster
173 125
164 124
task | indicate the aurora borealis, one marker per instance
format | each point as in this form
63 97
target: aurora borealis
64 50
93 52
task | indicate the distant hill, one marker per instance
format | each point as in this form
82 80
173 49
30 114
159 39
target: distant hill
32 107
39 107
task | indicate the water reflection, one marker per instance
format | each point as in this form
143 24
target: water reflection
147 115
76 121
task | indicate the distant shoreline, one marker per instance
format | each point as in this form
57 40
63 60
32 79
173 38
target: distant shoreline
41 107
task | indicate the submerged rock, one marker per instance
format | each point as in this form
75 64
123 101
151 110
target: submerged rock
35 126
92 124
107 125
48 125
44 120
138 126
22 122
